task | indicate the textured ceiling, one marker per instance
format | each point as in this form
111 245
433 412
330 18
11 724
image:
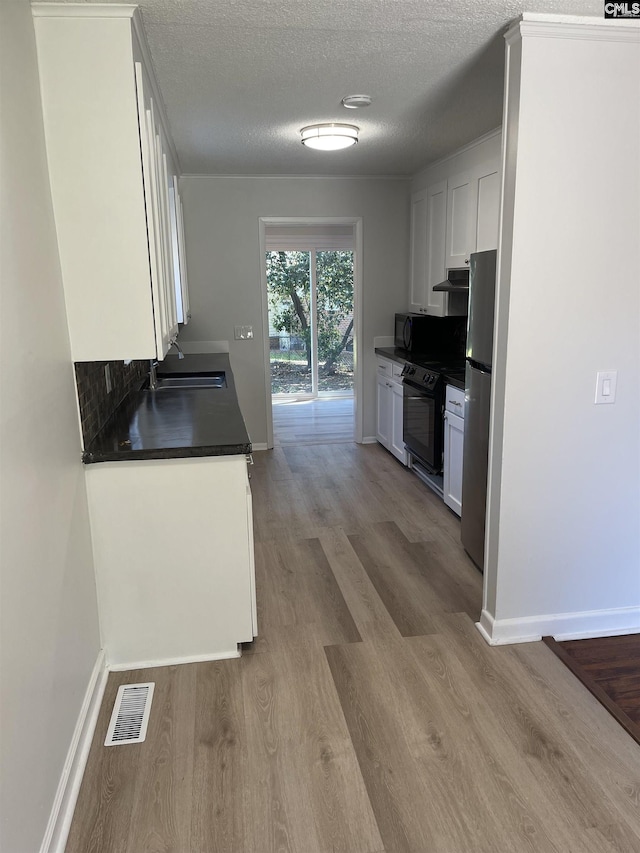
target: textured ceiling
241 77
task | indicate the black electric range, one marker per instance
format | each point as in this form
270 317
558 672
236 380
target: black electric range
424 381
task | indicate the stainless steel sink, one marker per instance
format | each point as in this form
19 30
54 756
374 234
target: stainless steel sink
216 380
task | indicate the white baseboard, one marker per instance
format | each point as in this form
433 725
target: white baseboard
561 626
259 445
148 664
55 837
369 439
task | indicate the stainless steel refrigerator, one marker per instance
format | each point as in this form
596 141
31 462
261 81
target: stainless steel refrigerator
482 284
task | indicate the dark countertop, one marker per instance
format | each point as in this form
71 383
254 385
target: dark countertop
175 424
455 378
394 354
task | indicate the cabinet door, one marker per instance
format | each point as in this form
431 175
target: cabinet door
383 427
186 304
169 281
462 193
453 455
252 562
153 210
178 253
397 442
488 207
436 247
418 252
159 282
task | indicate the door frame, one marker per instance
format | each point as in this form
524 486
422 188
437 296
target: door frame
297 221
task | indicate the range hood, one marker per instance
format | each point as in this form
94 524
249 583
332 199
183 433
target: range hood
457 281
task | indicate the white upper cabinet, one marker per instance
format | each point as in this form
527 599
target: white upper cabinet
110 161
179 255
418 251
435 303
472 214
454 215
460 230
488 207
428 226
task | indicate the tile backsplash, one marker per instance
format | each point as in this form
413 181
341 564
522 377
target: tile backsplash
97 404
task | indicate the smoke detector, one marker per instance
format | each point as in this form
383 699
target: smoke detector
355 102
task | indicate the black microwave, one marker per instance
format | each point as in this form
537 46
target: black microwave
438 337
412 332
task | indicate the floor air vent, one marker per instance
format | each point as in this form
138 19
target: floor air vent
130 714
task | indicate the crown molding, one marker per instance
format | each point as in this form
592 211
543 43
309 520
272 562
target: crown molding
573 27
83 10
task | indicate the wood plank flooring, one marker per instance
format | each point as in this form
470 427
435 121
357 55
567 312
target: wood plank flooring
369 716
324 420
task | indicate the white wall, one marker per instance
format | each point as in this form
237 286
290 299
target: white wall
223 261
49 623
564 494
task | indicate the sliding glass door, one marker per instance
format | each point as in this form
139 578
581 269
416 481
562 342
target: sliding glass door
310 299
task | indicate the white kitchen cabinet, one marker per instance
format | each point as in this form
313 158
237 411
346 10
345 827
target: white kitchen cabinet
173 555
418 252
109 161
390 408
472 213
384 404
183 307
450 219
397 415
428 227
453 448
460 229
434 302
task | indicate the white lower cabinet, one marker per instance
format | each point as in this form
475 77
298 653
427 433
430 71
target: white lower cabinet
453 448
390 408
397 442
173 554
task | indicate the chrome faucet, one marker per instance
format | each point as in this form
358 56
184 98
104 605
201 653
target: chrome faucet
153 379
177 346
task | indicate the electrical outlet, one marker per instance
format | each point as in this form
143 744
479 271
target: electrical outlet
243 333
107 378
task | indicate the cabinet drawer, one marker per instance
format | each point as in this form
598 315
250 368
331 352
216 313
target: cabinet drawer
454 401
396 371
385 367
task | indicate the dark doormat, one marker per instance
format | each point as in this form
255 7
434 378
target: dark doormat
610 668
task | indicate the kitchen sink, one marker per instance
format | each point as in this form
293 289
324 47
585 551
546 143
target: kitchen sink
171 383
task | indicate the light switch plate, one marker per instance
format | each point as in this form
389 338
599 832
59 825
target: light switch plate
606 381
243 333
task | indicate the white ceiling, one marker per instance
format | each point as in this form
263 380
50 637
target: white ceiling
241 77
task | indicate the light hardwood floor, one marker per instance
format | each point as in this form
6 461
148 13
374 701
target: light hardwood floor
324 420
369 716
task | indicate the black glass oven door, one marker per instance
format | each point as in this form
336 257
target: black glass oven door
422 428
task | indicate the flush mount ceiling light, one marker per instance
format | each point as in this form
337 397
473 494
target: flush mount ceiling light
329 137
356 102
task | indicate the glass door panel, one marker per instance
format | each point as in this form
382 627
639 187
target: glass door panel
334 313
289 300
